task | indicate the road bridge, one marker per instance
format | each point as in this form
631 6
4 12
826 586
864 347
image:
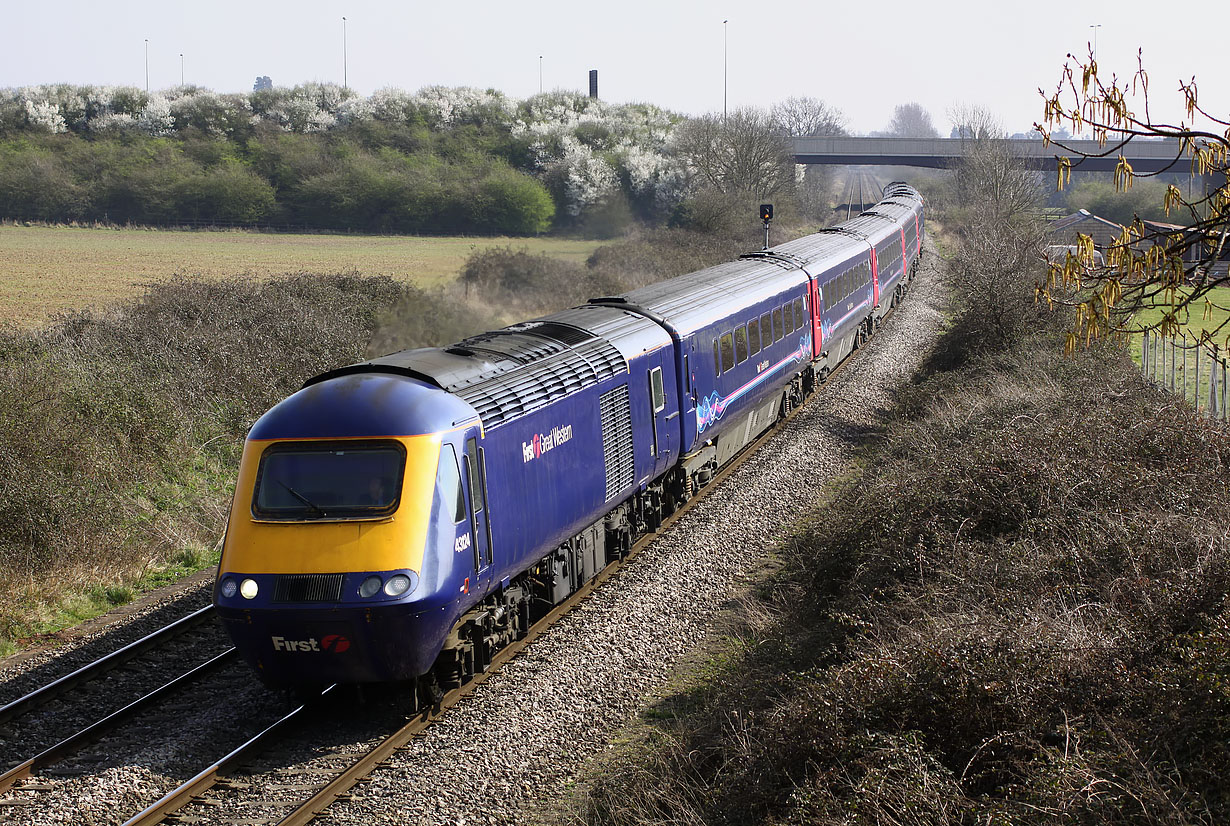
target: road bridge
941 153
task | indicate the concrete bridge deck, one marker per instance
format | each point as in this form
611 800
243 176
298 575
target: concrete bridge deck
941 153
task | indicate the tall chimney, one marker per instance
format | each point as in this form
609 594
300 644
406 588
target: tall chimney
593 83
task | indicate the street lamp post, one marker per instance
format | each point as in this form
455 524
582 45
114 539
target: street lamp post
147 65
540 74
724 22
1095 28
181 68
345 61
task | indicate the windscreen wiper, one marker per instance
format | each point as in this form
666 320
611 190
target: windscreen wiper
302 498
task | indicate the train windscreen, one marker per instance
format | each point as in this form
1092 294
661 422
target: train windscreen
339 481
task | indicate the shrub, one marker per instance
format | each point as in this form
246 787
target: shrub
228 191
499 275
120 431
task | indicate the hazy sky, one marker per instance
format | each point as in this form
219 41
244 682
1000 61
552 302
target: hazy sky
862 57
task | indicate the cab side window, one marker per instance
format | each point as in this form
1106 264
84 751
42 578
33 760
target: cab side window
448 482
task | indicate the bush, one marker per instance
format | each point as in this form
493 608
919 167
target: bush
35 185
227 192
120 431
508 275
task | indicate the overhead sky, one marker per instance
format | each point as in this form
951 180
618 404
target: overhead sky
862 57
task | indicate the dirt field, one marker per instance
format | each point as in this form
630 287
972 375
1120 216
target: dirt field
44 270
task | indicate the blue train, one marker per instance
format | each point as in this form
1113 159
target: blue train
403 518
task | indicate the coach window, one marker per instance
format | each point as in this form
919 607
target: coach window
448 482
798 313
717 361
740 344
788 318
753 336
766 329
728 352
778 332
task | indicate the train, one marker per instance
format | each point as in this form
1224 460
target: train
404 518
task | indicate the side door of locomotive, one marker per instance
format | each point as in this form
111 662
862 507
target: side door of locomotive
474 482
688 394
663 407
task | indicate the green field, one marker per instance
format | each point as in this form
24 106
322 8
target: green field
44 270
1192 325
1195 322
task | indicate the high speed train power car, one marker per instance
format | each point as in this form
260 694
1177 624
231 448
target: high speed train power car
403 518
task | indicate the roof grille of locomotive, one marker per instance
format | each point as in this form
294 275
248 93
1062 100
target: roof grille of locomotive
308 588
541 382
559 332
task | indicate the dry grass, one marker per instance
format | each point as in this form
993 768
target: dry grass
45 270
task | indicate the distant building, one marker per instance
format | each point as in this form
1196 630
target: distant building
1195 254
1064 230
262 82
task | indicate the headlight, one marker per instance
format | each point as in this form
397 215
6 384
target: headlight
397 585
370 587
248 588
228 588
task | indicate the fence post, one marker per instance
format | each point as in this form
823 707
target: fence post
1196 393
1173 347
1162 377
1223 364
1144 354
1224 413
1184 371
1212 407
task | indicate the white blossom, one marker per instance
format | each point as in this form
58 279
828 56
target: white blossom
45 115
444 106
587 177
155 119
354 110
392 105
112 122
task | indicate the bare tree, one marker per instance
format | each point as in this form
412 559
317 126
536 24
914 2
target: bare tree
995 179
1173 271
742 156
804 117
911 120
969 120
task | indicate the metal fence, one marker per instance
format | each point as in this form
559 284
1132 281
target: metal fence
1183 365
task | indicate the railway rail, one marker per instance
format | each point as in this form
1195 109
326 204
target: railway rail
103 665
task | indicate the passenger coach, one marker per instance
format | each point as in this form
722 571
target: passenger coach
403 518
